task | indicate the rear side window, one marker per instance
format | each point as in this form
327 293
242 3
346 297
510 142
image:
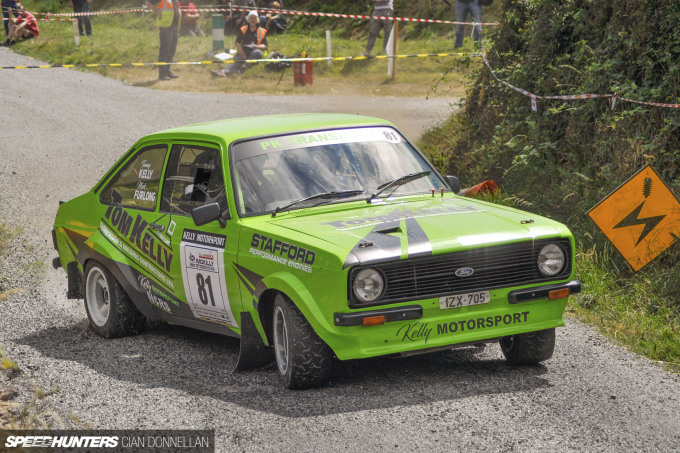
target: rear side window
136 184
193 178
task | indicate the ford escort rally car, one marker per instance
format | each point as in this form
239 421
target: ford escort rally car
310 237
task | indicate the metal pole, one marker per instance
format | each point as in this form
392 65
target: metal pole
328 47
395 38
76 33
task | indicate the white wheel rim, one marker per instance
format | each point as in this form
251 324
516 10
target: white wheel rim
98 296
281 340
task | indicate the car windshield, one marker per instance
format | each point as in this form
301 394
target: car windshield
272 172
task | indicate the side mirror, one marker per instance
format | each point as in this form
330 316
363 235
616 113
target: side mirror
207 213
454 183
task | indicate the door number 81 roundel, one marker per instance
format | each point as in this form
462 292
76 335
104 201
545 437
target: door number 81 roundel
204 282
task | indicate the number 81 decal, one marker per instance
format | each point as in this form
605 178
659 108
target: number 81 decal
204 282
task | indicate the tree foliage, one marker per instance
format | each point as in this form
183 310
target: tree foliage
570 154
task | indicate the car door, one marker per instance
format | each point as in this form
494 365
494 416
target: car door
204 255
130 206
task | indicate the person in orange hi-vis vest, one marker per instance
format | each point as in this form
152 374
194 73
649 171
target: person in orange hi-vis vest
167 20
251 42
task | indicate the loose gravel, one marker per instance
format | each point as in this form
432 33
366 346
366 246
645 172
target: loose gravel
64 128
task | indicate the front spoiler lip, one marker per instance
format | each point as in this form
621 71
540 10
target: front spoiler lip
391 314
541 292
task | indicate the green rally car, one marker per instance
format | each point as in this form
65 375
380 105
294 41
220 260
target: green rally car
310 237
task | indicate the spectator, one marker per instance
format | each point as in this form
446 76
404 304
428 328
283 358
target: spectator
463 7
234 19
83 6
23 27
251 42
167 20
267 4
189 24
383 8
7 7
272 21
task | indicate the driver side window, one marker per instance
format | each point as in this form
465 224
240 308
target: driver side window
193 178
136 184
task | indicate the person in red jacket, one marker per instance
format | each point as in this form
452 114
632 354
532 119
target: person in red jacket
189 24
24 27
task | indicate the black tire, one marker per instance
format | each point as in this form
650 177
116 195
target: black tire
529 348
303 360
110 311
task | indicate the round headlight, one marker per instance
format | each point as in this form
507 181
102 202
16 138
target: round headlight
368 285
551 260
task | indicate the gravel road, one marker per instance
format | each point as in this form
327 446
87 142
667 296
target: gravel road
64 128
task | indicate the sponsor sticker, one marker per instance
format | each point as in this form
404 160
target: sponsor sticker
282 252
421 331
202 259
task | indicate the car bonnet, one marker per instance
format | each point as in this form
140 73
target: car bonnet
402 230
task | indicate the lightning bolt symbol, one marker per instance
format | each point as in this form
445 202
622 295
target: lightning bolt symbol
633 219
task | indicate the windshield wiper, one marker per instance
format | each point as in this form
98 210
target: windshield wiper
332 195
395 183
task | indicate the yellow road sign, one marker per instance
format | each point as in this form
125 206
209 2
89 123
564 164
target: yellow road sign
641 218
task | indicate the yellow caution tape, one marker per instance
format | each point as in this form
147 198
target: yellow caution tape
265 60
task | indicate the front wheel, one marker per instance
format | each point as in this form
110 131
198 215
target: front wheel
302 358
109 309
529 348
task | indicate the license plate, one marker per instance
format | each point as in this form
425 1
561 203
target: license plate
464 300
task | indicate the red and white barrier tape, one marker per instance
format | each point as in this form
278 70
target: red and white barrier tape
286 12
572 97
348 16
47 19
655 104
97 13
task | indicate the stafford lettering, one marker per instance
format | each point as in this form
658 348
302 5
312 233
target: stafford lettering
283 249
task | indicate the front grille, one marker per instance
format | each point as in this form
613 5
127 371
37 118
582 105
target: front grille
494 267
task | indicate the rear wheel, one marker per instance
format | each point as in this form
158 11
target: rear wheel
109 309
303 359
529 348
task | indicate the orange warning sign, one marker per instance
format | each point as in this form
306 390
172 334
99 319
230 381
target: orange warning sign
641 218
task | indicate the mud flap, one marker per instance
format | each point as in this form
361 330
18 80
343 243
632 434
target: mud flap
254 353
75 281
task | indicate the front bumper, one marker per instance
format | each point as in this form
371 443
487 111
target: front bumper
422 326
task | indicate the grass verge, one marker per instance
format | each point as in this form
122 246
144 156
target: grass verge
631 309
133 38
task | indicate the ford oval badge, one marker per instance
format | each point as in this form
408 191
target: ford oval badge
465 272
